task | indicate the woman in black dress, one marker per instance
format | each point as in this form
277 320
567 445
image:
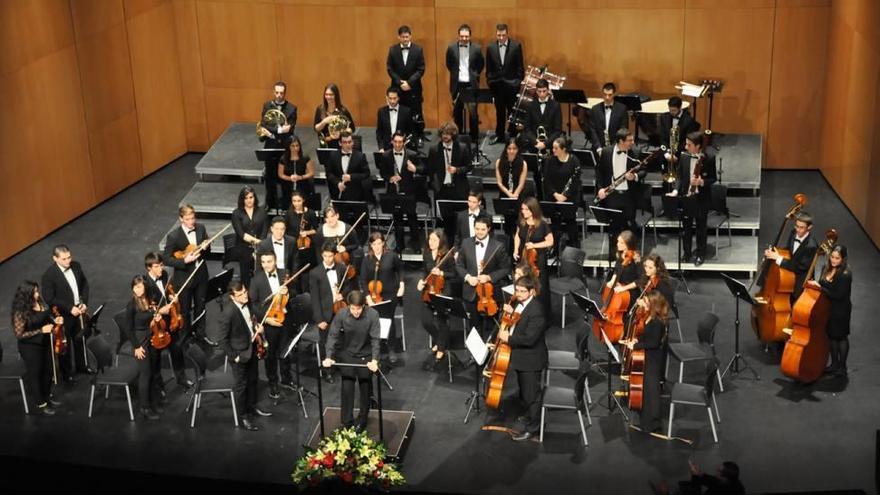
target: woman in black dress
836 284
511 172
383 266
329 109
562 184
334 229
138 316
31 323
251 224
532 232
627 266
653 342
436 324
302 222
296 171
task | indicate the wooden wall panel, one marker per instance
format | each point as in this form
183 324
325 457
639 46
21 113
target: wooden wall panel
189 58
797 86
44 24
156 76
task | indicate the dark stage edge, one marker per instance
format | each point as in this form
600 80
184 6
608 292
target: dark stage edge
397 428
785 437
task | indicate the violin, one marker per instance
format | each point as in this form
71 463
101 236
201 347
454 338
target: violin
303 241
159 336
340 304
531 255
434 283
496 370
192 248
176 319
375 286
262 346
278 309
58 336
344 258
486 291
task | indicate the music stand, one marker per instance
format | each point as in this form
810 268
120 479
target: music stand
677 204
475 97
739 292
569 97
586 157
448 210
299 388
609 217
378 396
217 286
266 154
591 308
324 155
350 211
633 104
398 204
559 214
506 207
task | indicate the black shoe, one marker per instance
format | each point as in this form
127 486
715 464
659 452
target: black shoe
523 420
329 378
840 372
273 391
248 425
392 358
148 413
698 260
70 379
361 424
260 412
162 393
46 409
686 258
288 384
522 437
54 403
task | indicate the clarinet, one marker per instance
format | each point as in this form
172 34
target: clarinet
576 172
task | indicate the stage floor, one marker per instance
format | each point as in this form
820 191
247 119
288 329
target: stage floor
785 437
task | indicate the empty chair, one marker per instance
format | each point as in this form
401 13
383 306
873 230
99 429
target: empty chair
565 398
719 214
563 361
15 371
571 277
124 374
207 383
703 350
688 394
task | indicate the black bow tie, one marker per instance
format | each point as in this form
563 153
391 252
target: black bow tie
473 215
273 275
346 154
193 231
607 107
332 268
243 307
621 152
479 243
398 154
462 46
449 148
392 109
404 47
502 45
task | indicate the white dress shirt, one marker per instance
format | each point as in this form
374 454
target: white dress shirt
246 313
464 63
447 154
71 281
278 248
404 52
392 117
519 309
618 165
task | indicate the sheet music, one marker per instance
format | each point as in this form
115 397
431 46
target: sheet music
384 327
610 346
475 345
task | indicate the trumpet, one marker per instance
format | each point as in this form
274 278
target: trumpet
272 119
671 174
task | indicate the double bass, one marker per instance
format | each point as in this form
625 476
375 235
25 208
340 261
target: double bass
614 306
806 351
496 369
773 310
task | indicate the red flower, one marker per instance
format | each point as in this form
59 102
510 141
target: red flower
380 464
346 476
314 462
328 460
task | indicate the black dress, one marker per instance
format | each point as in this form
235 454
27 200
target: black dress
325 132
138 333
511 179
535 235
295 167
293 220
256 225
652 342
33 345
390 273
627 274
838 291
437 325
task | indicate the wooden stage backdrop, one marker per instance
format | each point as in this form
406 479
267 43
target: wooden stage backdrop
100 93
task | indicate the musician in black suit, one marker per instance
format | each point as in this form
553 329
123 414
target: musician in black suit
465 219
266 283
277 138
802 247
465 62
615 162
250 224
474 251
607 118
406 66
192 298
156 283
676 117
543 112
836 284
327 285
348 174
356 329
65 285
653 342
392 118
399 167
283 245
449 164
562 184
504 73
528 352
237 331
695 189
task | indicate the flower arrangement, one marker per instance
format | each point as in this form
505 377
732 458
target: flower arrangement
351 457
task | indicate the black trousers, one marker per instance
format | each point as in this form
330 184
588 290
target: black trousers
38 367
530 393
278 339
175 350
505 97
437 326
245 381
484 324
245 256
623 201
272 181
149 378
412 222
694 214
75 359
649 416
466 90
192 303
413 100
351 377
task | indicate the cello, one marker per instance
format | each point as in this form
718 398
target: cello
633 371
773 310
806 350
434 283
496 369
614 306
345 257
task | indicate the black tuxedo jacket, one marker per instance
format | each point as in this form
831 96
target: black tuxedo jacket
800 260
597 119
437 167
281 140
322 293
551 119
686 125
154 294
704 196
463 225
360 186
411 72
511 73
528 350
260 290
407 183
497 268
383 124
234 336
475 65
177 241
290 257
605 168
56 292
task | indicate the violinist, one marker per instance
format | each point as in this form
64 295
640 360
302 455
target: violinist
532 242
465 219
627 266
356 330
482 260
193 297
302 224
65 286
283 245
528 356
32 322
802 247
653 342
382 276
695 187
266 282
334 230
250 224
237 338
836 284
139 314
327 285
155 282
296 171
398 168
436 324
657 277
562 183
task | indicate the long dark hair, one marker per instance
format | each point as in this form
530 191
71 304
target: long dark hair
629 239
503 158
244 192
288 155
844 265
23 300
533 206
659 266
658 305
335 89
443 247
139 302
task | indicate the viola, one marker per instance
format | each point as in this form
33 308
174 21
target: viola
375 286
174 315
192 248
303 241
434 283
486 291
159 336
531 255
58 337
340 304
496 369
